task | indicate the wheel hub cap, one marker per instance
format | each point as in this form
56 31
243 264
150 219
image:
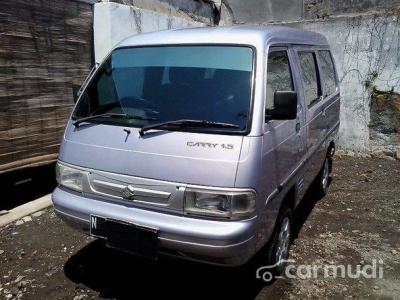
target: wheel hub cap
325 175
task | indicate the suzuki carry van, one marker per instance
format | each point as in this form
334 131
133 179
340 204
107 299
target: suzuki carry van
200 143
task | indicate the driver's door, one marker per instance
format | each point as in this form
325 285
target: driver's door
286 138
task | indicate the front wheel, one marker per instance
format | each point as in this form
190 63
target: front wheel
278 252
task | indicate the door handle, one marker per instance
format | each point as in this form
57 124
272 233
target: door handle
297 127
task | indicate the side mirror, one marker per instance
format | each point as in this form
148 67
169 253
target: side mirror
285 106
76 91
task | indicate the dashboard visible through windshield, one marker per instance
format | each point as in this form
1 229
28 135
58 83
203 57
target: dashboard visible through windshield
167 83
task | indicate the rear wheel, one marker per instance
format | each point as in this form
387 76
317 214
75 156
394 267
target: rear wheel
321 183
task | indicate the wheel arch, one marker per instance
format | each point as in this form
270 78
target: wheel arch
330 153
289 199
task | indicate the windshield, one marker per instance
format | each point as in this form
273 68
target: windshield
168 83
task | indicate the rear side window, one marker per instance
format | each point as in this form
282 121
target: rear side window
327 72
279 76
312 90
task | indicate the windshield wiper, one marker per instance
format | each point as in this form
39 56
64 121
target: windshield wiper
187 122
111 115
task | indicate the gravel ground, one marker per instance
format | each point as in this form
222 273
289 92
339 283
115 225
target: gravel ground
356 223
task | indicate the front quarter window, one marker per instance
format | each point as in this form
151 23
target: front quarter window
279 75
162 84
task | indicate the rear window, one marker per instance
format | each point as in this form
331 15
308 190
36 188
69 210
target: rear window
327 72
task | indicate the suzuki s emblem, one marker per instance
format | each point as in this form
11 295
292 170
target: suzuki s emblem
128 193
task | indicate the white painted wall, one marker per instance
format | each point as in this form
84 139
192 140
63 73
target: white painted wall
114 22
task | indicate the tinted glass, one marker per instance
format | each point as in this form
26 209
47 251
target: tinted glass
327 72
310 77
170 83
279 77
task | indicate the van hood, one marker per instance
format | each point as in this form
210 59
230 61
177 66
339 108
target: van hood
184 157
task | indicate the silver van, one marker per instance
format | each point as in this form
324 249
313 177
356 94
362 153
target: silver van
200 143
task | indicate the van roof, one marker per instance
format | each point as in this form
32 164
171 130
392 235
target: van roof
238 34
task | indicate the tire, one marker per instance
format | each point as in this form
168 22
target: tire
322 180
278 251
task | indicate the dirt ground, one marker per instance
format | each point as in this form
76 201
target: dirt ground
356 223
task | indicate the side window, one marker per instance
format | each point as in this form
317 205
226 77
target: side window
312 89
279 76
327 72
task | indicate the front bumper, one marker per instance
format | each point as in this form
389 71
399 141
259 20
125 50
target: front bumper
217 242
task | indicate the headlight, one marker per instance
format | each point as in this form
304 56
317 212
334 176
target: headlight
229 205
69 177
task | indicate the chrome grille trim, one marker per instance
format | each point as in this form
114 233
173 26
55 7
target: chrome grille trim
143 192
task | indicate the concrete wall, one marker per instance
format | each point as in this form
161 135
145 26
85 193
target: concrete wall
364 36
206 11
261 11
113 22
324 8
256 11
202 8
367 55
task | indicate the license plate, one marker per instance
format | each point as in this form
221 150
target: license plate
126 236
